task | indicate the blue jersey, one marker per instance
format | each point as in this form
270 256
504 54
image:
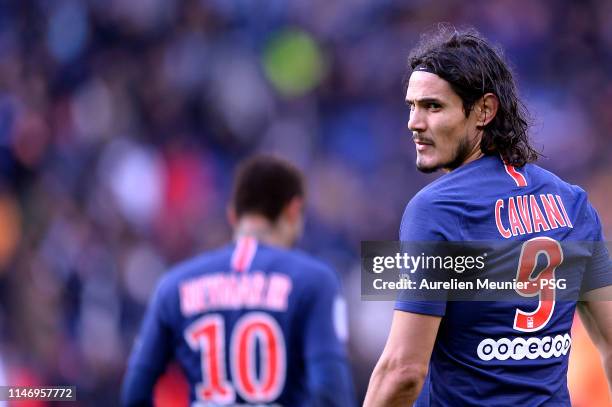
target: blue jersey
250 324
503 353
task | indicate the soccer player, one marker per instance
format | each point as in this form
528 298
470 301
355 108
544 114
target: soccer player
255 322
467 120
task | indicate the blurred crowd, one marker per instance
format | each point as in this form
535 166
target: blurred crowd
121 123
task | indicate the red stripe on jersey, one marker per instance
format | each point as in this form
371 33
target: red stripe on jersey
516 176
244 252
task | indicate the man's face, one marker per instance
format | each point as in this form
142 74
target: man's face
445 138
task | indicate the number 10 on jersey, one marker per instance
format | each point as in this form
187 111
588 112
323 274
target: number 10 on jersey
207 335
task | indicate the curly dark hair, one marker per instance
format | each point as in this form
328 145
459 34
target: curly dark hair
473 67
264 185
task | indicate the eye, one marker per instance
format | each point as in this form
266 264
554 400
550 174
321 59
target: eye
410 106
434 106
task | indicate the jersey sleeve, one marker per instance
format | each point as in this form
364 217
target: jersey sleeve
325 331
430 219
427 220
599 267
151 353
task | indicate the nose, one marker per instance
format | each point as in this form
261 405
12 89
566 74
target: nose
416 122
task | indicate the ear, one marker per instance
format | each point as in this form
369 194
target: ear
293 210
486 109
230 213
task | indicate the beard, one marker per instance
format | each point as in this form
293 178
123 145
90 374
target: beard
460 154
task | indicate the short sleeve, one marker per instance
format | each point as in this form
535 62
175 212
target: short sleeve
598 271
325 320
427 220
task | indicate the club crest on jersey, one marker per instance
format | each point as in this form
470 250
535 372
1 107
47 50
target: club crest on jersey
525 214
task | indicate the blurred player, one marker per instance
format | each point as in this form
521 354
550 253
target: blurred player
467 120
254 323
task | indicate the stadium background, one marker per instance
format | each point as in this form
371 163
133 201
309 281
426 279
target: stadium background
121 123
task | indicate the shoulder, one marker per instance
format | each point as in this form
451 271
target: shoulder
199 264
574 194
311 277
458 185
542 175
434 213
583 214
311 267
439 210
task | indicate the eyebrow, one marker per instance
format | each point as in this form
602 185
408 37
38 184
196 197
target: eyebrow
424 100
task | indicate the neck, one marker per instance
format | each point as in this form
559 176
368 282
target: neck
261 229
474 154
